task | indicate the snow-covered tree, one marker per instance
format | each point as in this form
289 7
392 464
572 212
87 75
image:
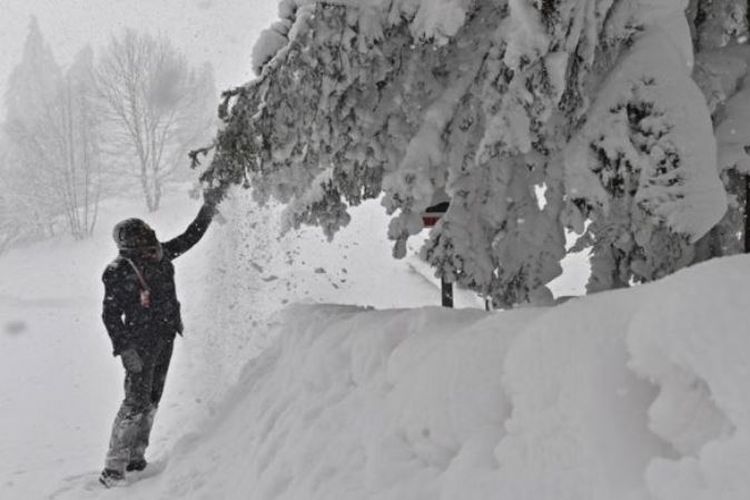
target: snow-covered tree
33 79
649 143
10 222
717 23
53 166
156 107
31 92
55 169
720 30
531 115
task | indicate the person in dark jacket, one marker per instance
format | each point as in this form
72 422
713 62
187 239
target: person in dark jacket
142 316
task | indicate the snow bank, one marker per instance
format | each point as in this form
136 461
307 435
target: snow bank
633 394
694 345
351 403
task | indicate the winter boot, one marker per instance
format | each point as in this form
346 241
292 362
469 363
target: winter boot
110 478
136 465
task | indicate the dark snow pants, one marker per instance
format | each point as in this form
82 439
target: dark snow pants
143 391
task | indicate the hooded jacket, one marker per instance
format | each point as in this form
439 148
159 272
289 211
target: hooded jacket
128 321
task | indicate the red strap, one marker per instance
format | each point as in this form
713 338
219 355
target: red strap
145 290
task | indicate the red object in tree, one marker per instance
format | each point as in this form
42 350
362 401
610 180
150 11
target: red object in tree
430 220
432 214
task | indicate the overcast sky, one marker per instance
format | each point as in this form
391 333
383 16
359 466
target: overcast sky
220 31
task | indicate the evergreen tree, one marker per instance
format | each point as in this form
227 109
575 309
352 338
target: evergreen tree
10 227
33 82
655 163
531 115
54 171
720 31
31 93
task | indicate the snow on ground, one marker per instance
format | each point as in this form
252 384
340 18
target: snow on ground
634 394
59 385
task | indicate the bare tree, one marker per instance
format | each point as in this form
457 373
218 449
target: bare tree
156 107
76 132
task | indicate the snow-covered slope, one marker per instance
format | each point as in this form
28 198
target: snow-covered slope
633 394
60 386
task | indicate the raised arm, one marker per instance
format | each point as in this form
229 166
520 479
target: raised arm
192 235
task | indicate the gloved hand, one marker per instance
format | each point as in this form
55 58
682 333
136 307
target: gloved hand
213 195
131 360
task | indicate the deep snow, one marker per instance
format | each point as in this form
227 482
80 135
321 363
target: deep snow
632 394
59 385
625 395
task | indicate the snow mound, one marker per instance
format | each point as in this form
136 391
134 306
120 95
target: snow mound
635 394
694 345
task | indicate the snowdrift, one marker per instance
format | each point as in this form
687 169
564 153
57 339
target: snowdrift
632 394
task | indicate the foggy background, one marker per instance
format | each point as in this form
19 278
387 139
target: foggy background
74 129
221 32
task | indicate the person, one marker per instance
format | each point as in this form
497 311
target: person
141 314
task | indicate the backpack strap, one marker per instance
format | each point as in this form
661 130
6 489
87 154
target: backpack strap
145 290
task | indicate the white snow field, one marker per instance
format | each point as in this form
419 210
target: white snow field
59 385
633 394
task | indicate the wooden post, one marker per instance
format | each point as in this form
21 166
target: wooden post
446 290
430 217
